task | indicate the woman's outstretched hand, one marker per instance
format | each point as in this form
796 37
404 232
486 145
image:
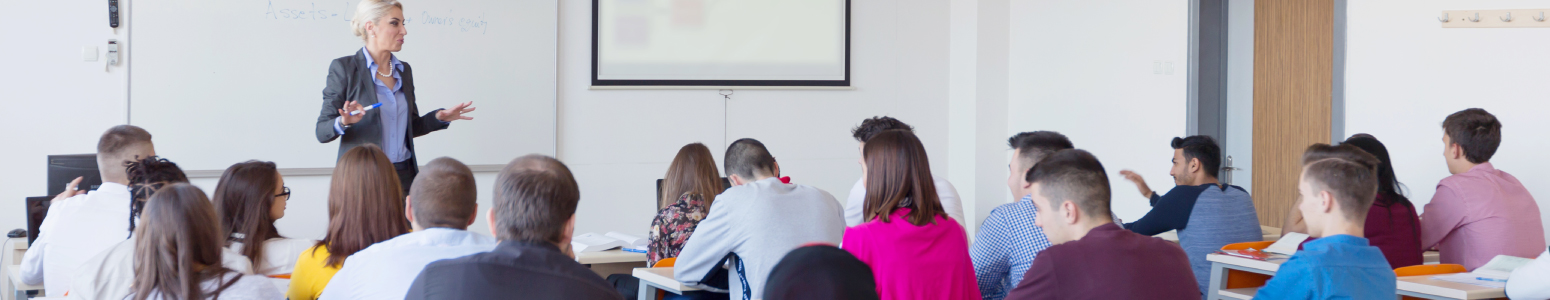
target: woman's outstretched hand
456 112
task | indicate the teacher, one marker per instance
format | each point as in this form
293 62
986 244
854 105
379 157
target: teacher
375 76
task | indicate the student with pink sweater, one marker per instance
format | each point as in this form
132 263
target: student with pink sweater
915 250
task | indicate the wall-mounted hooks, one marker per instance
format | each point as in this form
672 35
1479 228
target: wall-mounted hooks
1500 18
1507 18
1540 18
1476 19
1444 18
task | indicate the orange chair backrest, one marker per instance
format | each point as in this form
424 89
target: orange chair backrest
1419 270
280 276
665 262
1241 279
1246 245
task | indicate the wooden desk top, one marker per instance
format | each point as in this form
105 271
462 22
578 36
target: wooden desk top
1270 265
1426 285
662 277
610 256
14 273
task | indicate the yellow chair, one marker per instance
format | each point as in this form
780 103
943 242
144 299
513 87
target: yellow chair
1420 270
1241 279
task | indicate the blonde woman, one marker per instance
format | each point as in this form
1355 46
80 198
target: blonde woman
372 76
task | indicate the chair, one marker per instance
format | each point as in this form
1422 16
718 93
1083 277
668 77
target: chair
1428 269
665 262
281 276
1241 279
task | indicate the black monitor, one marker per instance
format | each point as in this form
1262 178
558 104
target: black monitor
64 168
37 208
725 184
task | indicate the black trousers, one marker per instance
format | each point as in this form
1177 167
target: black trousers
406 172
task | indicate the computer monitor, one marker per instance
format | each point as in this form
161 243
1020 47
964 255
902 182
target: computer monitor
37 208
64 168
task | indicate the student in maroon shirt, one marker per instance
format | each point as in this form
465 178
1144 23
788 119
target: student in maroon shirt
1093 258
1392 224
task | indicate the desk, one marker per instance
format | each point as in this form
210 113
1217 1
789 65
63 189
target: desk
654 279
1221 263
614 261
1425 287
15 285
1266 233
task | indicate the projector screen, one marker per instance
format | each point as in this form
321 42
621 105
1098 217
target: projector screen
720 43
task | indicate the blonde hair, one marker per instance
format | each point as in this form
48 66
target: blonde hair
369 11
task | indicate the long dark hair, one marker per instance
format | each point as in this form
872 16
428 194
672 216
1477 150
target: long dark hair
693 171
1388 185
899 176
365 204
179 247
243 198
146 175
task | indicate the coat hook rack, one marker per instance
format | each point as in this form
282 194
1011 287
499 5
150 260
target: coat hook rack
1476 19
1540 18
1507 18
1498 18
1444 18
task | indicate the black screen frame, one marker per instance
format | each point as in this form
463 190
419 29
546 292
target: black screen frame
718 83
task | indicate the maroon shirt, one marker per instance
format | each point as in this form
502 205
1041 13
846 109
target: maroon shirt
1395 229
1109 263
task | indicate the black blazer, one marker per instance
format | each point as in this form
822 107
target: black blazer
513 270
349 78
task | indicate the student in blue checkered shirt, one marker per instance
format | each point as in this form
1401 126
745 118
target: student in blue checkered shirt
1007 242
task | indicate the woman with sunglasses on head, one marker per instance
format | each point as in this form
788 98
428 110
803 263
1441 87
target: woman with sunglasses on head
250 197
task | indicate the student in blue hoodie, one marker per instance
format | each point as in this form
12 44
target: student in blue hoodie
1337 186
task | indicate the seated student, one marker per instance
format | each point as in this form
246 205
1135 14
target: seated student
1531 281
178 252
534 217
79 224
1007 242
820 272
1479 212
442 203
1392 224
365 206
915 250
688 189
1206 213
741 222
250 197
1337 186
1093 258
951 203
110 273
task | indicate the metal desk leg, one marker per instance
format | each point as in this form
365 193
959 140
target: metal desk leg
647 291
1218 281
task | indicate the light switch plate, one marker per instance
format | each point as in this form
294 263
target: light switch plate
89 53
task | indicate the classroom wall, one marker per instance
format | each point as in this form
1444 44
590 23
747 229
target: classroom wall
56 103
1405 73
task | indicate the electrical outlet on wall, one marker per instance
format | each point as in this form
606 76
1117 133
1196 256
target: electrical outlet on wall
88 53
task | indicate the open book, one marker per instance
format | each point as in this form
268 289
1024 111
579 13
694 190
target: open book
1288 243
593 242
1492 274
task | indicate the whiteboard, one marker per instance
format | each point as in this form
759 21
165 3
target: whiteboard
721 42
220 82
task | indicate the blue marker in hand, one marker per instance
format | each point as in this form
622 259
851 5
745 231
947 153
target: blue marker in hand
364 110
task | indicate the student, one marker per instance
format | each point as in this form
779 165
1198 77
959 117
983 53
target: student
744 220
1392 224
534 217
1093 258
688 189
951 203
1479 212
110 273
441 206
250 197
820 272
80 224
1206 213
915 250
1337 186
1532 281
178 252
365 206
1007 241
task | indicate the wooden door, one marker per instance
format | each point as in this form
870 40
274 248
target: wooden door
1293 73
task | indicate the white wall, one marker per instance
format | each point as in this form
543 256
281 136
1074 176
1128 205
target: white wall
55 102
1094 82
1405 73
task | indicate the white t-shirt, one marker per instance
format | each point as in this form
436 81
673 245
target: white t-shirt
1532 281
944 191
109 274
385 270
279 254
75 230
250 287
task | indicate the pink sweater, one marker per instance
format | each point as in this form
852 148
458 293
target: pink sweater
915 262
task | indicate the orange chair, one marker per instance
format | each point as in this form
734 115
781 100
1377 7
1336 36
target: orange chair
280 276
665 262
1420 270
1241 279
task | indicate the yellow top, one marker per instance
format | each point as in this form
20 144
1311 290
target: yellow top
311 275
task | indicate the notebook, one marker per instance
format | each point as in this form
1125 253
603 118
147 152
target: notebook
1492 274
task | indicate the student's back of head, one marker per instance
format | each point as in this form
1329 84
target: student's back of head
1344 173
246 199
898 175
693 171
1027 149
444 195
820 272
1070 179
146 176
875 125
179 246
747 160
535 201
1389 188
1476 132
119 145
365 204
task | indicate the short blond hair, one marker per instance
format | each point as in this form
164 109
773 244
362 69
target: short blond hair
369 11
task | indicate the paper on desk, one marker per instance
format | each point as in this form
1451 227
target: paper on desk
1492 274
1469 278
1288 243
